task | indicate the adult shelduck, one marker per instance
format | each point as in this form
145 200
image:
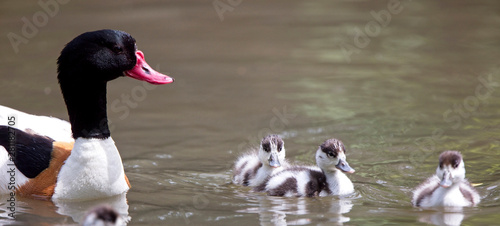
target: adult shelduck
40 157
254 168
448 187
309 181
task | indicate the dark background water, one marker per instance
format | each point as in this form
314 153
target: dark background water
397 81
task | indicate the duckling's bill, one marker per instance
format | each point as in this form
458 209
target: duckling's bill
344 166
274 160
446 181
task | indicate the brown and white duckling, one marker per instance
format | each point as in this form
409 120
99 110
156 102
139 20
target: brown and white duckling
448 187
254 168
328 179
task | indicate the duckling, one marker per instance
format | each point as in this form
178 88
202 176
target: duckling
448 187
310 181
254 168
103 215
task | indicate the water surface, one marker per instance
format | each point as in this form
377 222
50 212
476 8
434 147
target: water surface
426 82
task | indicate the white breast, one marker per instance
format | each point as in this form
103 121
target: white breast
339 183
431 194
93 170
445 197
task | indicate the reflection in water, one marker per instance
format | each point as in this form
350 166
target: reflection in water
22 206
78 210
103 215
269 54
294 211
447 216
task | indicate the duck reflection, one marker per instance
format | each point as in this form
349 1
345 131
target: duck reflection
78 210
294 211
443 216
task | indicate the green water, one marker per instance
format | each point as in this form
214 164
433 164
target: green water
427 81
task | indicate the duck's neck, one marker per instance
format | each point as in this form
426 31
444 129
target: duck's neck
331 173
451 188
338 182
335 176
86 104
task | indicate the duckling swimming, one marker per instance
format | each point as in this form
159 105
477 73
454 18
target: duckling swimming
448 187
254 168
328 179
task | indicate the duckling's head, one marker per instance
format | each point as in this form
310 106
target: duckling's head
104 215
272 151
451 169
331 156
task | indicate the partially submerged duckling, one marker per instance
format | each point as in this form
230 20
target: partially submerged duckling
448 187
103 215
328 179
254 168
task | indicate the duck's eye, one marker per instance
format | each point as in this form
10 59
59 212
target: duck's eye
279 148
331 155
117 49
266 148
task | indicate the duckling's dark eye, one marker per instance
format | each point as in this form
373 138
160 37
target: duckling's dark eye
330 154
279 148
117 49
266 147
